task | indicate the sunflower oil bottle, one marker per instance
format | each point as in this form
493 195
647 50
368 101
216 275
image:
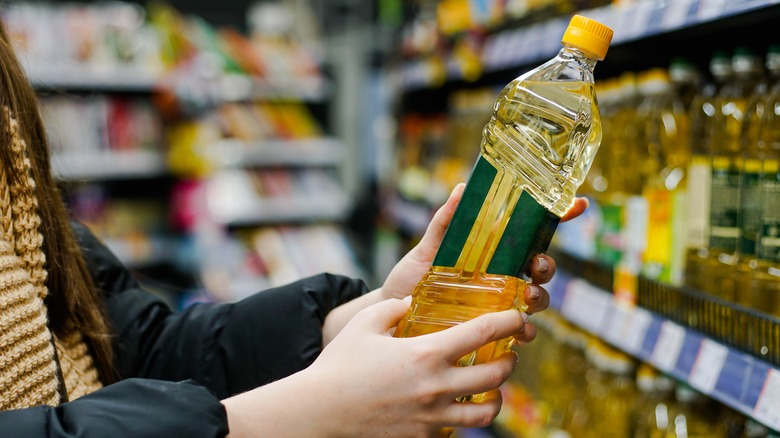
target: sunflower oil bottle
727 166
666 136
609 391
757 272
620 179
536 151
703 110
650 412
766 284
693 415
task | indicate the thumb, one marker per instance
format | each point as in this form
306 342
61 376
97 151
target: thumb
430 241
382 316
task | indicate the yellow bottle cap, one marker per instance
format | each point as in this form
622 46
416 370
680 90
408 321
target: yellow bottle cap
588 35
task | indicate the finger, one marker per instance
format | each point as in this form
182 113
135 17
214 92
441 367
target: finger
470 335
535 298
480 378
380 317
580 204
542 268
528 335
469 414
441 220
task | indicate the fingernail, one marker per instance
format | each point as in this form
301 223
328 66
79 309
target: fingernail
517 357
533 292
543 265
524 317
408 299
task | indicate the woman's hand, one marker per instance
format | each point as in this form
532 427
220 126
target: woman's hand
368 383
413 266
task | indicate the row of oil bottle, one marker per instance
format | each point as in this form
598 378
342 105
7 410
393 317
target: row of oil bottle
571 384
687 178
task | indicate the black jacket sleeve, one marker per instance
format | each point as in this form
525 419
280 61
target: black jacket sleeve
130 408
229 348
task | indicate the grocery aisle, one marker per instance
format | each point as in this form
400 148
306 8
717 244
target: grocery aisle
668 294
219 151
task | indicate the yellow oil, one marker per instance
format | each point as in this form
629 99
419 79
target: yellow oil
765 294
727 164
541 140
667 138
703 112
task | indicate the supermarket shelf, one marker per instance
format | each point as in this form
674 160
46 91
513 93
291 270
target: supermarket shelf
740 380
299 209
242 88
143 252
108 165
536 43
231 199
137 79
275 153
87 77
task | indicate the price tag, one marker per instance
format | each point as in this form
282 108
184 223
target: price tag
675 14
710 9
586 305
706 369
636 326
667 349
767 408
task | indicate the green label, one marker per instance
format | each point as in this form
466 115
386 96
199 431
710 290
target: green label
528 233
750 214
466 214
609 246
769 239
724 207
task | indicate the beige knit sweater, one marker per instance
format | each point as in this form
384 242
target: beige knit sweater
28 362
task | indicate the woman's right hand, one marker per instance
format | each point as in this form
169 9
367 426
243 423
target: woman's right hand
368 383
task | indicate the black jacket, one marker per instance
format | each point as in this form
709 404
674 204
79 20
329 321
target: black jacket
175 367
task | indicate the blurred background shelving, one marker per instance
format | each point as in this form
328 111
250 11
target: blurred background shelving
224 148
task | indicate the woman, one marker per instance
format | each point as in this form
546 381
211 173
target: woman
84 351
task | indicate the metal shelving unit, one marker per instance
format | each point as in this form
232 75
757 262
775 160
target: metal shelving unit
740 371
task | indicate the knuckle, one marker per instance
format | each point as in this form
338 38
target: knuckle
485 328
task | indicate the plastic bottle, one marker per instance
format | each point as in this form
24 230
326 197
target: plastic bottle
535 152
666 136
766 285
703 110
726 169
759 172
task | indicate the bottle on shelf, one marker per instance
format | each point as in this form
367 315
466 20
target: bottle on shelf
727 171
703 109
693 415
535 153
666 137
765 294
760 164
650 410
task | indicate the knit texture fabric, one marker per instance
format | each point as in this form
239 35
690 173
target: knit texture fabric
28 366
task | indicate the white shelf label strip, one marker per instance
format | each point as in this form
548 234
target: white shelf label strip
708 365
767 408
667 349
586 305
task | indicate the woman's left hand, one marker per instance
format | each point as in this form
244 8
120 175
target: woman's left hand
413 266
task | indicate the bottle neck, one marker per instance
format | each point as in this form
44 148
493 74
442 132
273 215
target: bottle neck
586 59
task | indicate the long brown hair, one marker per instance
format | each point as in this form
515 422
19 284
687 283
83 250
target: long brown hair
73 302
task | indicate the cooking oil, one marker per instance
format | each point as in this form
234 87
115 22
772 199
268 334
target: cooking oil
727 165
535 152
757 268
666 137
703 110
